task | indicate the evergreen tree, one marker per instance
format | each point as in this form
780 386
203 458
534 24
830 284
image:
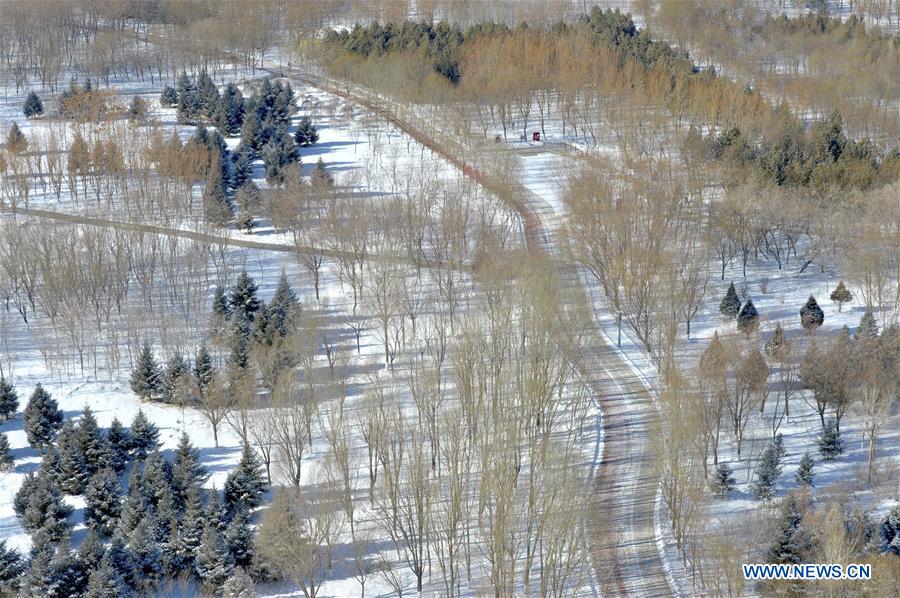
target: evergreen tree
239 585
122 560
146 553
135 506
90 441
68 573
239 539
731 303
43 418
203 368
243 299
38 577
103 502
177 369
51 466
776 347
7 461
321 178
868 327
889 532
73 472
118 445
106 582
251 130
778 443
146 378
16 142
168 97
187 471
40 507
217 206
767 473
137 109
748 318
791 540
215 514
307 133
724 481
841 295
242 167
805 471
190 532
12 565
189 103
9 399
830 443
284 307
33 105
211 563
91 550
221 309
144 436
245 485
155 482
233 109
208 93
811 315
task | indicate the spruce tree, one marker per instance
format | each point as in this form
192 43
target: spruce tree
91 443
12 565
7 461
791 540
284 307
146 378
33 105
221 309
868 327
177 369
243 299
748 318
211 563
320 177
187 471
841 295
776 347
811 315
42 418
122 560
118 445
40 508
889 532
805 471
190 532
38 577
203 368
232 104
72 468
135 506
830 443
239 585
69 575
146 553
251 130
724 481
731 303
9 399
103 502
144 436
106 582
767 473
51 465
242 167
245 485
91 550
307 133
239 539
155 482
168 97
16 142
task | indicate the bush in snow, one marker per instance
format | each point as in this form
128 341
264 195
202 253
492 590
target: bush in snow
805 471
889 532
731 303
239 585
9 400
830 443
43 418
777 346
748 318
811 315
168 97
33 105
841 295
724 481
16 142
321 178
137 109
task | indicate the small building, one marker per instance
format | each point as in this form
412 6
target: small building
536 136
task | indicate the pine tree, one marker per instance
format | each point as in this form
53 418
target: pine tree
91 443
122 560
777 346
239 585
146 377
33 105
177 369
239 539
146 553
12 565
731 303
203 368
215 513
9 399
91 550
16 142
106 582
243 299
251 130
187 471
811 315
320 177
118 445
103 502
38 577
190 532
155 482
830 443
68 573
767 473
724 481
7 461
168 97
805 471
42 418
207 92
307 133
748 318
73 472
233 109
841 295
135 506
50 465
144 436
245 485
211 564
868 327
188 104
791 540
40 507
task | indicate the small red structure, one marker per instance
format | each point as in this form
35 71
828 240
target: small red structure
536 136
